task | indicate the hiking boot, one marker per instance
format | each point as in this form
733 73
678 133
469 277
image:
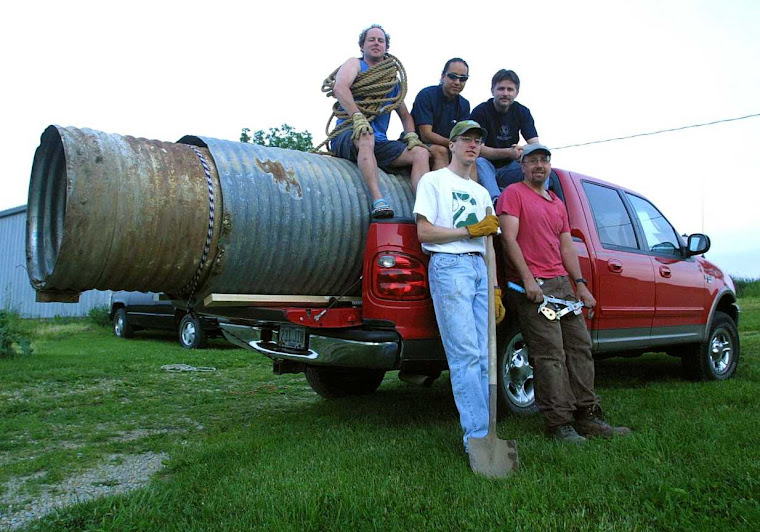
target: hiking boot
589 421
565 433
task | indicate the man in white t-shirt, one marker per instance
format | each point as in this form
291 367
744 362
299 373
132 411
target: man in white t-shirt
452 223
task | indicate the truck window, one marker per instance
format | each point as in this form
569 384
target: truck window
613 223
660 236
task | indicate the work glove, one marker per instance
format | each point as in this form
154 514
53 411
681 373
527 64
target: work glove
412 140
487 226
361 125
498 305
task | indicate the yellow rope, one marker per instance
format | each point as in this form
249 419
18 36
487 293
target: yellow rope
370 91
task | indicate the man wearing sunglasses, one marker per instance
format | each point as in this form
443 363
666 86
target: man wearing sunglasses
367 143
453 215
540 253
504 119
437 108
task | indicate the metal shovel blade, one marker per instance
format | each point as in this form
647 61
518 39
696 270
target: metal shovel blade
493 457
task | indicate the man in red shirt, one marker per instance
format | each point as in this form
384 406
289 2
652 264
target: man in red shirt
536 237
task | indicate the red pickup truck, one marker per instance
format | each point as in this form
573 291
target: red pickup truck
655 292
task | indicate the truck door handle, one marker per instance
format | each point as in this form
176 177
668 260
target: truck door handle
664 271
615 265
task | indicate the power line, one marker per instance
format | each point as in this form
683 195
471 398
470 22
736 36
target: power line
658 132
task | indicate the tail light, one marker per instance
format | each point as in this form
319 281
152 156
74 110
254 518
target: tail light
399 276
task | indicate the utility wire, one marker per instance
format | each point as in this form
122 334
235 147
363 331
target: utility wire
658 132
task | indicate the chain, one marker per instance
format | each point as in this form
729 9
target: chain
192 286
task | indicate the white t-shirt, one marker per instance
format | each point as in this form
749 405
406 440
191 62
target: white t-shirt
447 200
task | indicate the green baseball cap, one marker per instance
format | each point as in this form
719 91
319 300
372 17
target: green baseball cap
464 126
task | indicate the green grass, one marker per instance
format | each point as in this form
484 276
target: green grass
251 450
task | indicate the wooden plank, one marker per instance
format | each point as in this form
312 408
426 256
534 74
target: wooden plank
271 300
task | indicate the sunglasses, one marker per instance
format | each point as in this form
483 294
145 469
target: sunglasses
453 76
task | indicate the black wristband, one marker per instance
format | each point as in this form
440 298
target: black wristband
581 280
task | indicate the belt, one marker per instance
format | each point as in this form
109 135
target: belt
471 253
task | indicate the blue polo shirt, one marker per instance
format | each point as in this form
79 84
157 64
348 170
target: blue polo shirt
432 108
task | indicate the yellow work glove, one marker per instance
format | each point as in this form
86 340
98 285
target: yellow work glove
498 305
487 226
361 125
412 140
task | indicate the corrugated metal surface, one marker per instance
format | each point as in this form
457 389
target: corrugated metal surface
16 293
295 223
114 212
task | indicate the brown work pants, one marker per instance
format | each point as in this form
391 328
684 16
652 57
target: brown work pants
560 352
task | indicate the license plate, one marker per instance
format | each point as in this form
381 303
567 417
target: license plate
292 337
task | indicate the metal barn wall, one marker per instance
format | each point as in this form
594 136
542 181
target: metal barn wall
16 293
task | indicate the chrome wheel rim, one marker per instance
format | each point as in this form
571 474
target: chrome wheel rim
118 327
188 333
518 374
721 350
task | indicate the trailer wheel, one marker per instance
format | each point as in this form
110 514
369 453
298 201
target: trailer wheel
333 382
717 358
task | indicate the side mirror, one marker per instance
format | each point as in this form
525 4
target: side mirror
698 244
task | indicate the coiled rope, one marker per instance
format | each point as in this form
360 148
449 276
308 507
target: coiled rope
370 91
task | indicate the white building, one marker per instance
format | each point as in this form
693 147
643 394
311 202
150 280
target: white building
16 293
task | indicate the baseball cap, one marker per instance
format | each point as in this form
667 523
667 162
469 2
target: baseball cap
530 148
464 126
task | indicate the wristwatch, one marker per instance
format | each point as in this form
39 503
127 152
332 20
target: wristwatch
581 280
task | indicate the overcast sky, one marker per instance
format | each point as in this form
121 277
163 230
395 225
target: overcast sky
589 71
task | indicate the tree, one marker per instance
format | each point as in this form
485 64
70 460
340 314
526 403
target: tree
279 137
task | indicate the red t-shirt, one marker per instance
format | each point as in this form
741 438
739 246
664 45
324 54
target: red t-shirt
541 223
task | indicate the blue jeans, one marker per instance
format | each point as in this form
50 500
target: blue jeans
495 180
459 286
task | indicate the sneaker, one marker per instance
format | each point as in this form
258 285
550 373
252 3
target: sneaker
589 421
565 433
381 209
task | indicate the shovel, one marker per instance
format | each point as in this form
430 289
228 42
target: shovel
490 456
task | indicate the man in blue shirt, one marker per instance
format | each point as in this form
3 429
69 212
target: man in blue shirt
367 143
437 108
504 119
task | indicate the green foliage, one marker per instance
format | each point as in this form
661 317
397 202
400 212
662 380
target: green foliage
279 137
12 336
746 287
100 316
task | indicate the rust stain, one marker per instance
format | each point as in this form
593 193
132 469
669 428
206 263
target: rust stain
285 179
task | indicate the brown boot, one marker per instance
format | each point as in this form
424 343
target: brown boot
565 433
589 422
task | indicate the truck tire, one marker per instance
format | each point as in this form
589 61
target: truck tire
333 383
715 359
121 326
191 333
515 374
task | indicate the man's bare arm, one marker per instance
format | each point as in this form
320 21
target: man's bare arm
497 154
343 80
428 135
573 267
427 233
406 118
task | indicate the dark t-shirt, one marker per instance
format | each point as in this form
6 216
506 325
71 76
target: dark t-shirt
504 129
432 108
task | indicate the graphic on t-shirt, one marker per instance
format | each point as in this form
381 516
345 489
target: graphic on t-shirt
503 133
463 207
